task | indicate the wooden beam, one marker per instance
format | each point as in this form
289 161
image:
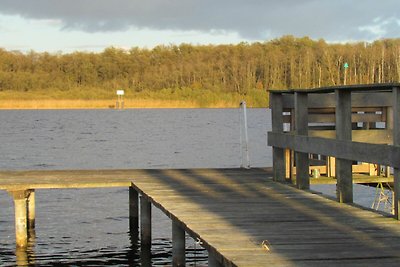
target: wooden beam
343 132
353 110
370 99
358 88
278 154
302 161
328 116
366 136
373 153
396 142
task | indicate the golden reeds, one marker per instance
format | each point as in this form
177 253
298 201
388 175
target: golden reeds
105 104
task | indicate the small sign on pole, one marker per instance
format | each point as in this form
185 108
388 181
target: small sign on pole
120 100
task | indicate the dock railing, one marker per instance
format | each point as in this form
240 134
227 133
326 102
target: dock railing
348 136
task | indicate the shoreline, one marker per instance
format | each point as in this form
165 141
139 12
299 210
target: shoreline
36 104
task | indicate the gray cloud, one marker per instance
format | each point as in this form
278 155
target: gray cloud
253 19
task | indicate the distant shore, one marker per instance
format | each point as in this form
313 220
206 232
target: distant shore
105 104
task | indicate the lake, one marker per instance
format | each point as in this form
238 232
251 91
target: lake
90 226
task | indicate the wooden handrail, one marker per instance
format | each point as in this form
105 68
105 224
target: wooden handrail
337 104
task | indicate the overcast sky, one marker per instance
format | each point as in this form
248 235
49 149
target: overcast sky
92 25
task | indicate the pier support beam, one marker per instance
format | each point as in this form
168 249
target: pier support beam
133 211
145 222
301 121
344 173
21 231
145 232
396 142
178 245
21 216
278 154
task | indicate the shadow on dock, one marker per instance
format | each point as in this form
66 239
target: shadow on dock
301 228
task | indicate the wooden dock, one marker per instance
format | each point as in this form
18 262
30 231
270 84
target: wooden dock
241 217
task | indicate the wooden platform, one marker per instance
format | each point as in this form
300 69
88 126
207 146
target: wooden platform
53 179
234 211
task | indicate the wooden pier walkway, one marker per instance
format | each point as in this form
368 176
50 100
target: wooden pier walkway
242 217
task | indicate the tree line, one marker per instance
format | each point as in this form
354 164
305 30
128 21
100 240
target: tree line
287 62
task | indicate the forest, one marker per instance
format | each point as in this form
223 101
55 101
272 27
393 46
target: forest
203 74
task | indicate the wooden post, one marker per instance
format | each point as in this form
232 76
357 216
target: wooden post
133 210
396 142
31 210
145 222
288 155
331 166
21 217
178 245
278 154
145 231
373 169
292 156
344 173
389 126
302 160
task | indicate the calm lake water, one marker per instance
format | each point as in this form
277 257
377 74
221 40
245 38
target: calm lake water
89 227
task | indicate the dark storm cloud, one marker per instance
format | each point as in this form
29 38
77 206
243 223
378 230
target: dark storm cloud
253 19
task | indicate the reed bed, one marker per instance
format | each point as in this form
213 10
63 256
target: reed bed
105 104
98 99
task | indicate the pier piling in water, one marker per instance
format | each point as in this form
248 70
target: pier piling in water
145 222
31 209
178 245
133 210
22 217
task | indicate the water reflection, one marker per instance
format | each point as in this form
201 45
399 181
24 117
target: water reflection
159 254
25 256
132 252
129 256
22 258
